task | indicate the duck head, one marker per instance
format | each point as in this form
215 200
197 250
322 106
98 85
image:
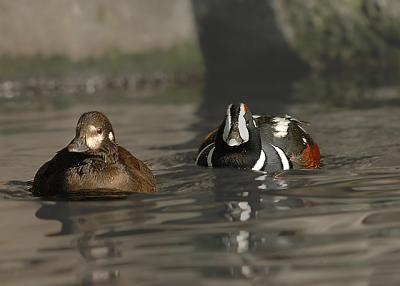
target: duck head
238 126
94 135
238 141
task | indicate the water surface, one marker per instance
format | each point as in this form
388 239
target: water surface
339 225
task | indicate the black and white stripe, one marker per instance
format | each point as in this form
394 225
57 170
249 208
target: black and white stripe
285 163
260 164
276 161
204 158
235 129
273 159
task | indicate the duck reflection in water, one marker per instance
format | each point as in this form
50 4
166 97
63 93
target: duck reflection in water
261 191
246 234
92 228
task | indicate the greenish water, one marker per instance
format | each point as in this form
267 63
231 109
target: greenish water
339 225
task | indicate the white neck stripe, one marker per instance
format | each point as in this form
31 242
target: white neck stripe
282 156
209 157
260 162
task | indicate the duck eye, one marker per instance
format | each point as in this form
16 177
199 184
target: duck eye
99 131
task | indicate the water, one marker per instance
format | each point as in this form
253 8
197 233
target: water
339 225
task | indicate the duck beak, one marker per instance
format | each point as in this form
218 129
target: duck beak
78 145
233 135
234 138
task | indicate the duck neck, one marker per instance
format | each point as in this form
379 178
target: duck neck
107 153
244 156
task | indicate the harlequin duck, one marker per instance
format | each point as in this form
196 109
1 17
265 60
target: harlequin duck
93 161
258 142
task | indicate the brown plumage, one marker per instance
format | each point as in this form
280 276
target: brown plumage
93 162
210 138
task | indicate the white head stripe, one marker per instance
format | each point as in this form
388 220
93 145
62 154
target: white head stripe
244 133
228 123
260 162
111 136
282 156
209 157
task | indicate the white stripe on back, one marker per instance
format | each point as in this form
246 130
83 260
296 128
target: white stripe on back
282 156
209 157
201 152
260 162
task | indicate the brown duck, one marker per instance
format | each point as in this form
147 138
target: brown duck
93 161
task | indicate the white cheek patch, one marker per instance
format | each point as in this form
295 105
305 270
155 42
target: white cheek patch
111 136
228 122
243 131
94 142
281 126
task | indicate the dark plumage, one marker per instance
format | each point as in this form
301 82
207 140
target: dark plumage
258 142
93 161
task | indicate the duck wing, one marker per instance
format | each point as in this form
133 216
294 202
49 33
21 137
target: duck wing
288 134
210 138
138 170
47 180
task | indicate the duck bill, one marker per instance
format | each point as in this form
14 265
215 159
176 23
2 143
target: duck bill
78 145
234 138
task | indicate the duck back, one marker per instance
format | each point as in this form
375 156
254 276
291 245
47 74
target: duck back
69 172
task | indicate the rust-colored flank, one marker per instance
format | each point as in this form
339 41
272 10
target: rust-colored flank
311 157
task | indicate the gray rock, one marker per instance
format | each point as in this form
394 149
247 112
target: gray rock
248 38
